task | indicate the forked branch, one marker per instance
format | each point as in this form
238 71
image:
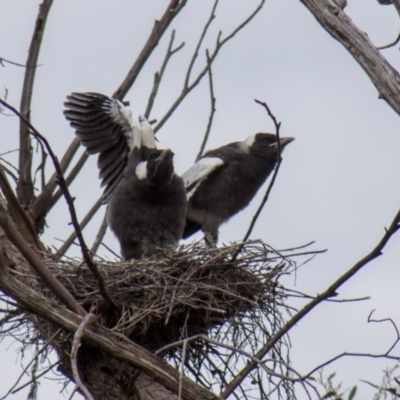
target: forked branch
328 293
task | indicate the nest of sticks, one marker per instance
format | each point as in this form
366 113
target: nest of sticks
183 293
203 308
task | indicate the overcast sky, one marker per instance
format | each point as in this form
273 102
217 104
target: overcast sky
339 181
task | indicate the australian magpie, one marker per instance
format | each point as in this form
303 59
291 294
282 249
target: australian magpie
146 200
224 181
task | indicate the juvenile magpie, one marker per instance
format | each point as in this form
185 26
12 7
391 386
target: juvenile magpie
146 200
224 181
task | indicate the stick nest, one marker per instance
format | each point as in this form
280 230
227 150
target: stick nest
181 294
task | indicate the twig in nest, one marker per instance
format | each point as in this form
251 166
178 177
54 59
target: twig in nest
88 319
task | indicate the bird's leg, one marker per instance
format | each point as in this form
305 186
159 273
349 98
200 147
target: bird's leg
208 238
210 228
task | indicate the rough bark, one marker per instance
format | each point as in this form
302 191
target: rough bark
337 23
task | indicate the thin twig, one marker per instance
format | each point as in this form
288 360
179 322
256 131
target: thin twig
43 203
271 184
159 75
11 390
394 326
69 179
212 110
99 236
2 60
88 319
25 184
387 46
329 292
87 218
23 386
219 44
160 26
199 43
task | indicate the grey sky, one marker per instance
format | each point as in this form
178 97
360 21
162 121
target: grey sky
339 181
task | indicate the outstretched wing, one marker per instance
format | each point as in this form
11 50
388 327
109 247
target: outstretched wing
200 171
104 126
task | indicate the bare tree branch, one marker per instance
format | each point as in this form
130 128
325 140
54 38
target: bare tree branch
219 44
43 203
63 249
159 28
99 236
12 390
3 60
271 184
336 22
69 179
159 75
329 292
19 215
51 281
25 184
199 43
212 111
88 319
63 185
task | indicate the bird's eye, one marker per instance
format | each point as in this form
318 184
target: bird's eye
153 156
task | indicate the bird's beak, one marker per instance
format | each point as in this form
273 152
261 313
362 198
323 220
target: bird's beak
165 155
286 140
164 166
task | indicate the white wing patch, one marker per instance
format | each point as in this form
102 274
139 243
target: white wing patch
198 172
141 170
147 133
123 116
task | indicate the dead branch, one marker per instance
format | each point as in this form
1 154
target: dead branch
87 218
88 319
213 109
25 184
64 187
187 88
275 174
44 202
329 292
12 390
3 60
99 236
31 256
160 26
159 75
19 215
69 179
336 22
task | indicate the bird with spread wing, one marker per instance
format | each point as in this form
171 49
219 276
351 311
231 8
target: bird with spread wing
146 200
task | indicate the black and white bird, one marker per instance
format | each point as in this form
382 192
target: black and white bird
146 200
224 181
